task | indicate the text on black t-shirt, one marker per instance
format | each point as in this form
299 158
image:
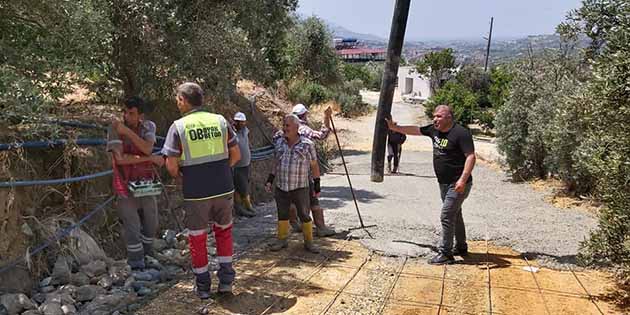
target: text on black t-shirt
449 152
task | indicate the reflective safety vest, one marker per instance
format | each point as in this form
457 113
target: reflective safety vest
204 138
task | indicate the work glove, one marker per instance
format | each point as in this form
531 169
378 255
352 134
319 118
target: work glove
317 186
269 182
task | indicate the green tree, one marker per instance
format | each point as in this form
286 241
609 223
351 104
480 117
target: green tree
463 101
438 67
604 151
536 127
353 71
46 47
311 54
499 89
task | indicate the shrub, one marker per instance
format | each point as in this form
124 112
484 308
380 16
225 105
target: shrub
463 102
307 92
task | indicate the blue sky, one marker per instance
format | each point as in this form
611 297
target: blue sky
445 19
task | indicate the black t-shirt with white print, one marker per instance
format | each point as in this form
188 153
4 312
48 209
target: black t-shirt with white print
449 150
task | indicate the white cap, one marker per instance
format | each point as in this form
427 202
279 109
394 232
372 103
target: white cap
299 109
239 117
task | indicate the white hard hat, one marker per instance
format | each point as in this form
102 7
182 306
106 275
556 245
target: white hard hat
299 109
239 117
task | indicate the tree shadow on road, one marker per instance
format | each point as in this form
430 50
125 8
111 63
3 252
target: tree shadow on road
334 197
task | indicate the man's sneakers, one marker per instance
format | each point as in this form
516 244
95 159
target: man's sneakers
460 252
278 245
441 259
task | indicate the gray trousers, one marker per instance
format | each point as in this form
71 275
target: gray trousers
452 219
140 221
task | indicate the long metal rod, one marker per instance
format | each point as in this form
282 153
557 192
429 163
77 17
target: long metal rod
340 290
392 288
540 290
345 167
318 268
590 296
388 86
442 291
488 272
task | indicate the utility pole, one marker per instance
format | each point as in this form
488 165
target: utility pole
388 85
485 68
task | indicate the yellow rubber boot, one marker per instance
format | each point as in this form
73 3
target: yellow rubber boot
307 230
237 199
247 202
283 234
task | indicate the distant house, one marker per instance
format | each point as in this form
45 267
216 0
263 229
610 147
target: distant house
352 50
412 86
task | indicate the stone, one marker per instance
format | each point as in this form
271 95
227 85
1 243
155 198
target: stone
15 303
59 297
144 291
51 308
47 289
86 249
159 244
153 263
166 275
39 298
106 282
137 285
174 269
61 271
170 237
134 307
68 289
79 279
45 282
94 268
119 273
30 312
69 309
142 275
129 282
18 280
88 292
155 274
105 303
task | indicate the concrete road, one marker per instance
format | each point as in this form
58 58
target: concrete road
406 207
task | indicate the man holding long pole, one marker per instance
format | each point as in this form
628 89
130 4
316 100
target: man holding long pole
453 162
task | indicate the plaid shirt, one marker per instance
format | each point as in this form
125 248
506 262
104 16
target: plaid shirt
293 163
305 131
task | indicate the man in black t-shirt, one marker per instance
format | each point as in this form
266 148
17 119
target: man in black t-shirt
453 162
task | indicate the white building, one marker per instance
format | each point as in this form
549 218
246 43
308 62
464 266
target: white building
412 86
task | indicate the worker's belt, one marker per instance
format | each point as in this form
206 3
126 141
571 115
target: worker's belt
143 188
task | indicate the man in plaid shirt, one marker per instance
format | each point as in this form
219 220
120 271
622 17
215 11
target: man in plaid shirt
295 157
314 135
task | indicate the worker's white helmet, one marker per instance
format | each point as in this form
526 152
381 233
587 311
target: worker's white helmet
239 117
299 109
